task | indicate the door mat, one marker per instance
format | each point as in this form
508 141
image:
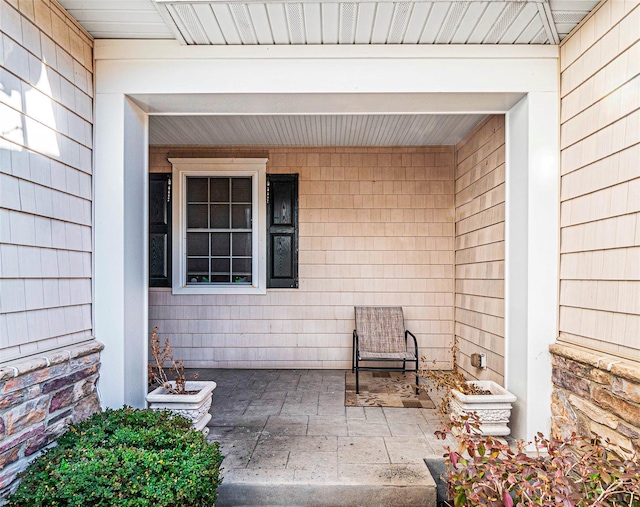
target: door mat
384 389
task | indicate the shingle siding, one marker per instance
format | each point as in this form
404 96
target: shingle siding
479 248
46 103
600 186
376 228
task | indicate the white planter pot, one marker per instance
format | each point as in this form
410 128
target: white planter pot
494 410
194 406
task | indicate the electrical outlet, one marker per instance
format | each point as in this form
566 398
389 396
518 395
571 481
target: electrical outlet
479 360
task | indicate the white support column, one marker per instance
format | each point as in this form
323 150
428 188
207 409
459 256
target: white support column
120 218
531 265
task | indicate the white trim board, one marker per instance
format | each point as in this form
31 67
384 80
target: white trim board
252 167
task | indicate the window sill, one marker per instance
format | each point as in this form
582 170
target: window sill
227 289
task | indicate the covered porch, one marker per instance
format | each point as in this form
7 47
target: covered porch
135 96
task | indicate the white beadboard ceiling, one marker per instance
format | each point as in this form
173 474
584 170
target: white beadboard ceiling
312 130
322 22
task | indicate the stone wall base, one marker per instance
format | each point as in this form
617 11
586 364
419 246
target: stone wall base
595 393
39 397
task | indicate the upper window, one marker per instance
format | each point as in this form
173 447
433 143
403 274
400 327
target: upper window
220 212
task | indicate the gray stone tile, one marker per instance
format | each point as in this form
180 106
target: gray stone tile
274 395
266 402
306 385
389 475
297 443
294 396
285 429
438 444
408 449
236 452
229 418
299 409
313 460
234 433
256 421
328 425
263 410
320 476
279 385
258 475
362 450
367 429
287 419
403 415
331 409
429 428
331 398
355 413
374 414
405 430
268 459
310 397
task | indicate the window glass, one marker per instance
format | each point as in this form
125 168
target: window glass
219 230
219 189
197 190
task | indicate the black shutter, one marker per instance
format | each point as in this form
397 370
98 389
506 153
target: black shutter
282 230
160 230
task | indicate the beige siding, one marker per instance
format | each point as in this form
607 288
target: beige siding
479 248
376 228
600 188
46 87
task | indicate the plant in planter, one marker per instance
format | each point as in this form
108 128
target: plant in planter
127 458
190 398
578 472
488 399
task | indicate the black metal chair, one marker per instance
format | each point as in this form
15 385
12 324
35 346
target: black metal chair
380 336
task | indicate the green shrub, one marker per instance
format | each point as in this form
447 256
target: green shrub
125 457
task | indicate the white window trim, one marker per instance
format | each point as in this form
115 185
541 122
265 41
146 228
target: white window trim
183 167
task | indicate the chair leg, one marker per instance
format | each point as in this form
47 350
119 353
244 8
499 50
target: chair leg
417 381
357 378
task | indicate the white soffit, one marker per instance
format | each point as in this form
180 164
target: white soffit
319 22
312 130
358 22
119 19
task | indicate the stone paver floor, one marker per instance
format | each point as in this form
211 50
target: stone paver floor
292 425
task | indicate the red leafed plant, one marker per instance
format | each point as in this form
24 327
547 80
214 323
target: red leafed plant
578 472
162 355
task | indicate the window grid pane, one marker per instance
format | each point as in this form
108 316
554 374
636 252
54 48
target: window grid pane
219 230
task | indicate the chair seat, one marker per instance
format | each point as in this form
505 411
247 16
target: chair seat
380 336
363 356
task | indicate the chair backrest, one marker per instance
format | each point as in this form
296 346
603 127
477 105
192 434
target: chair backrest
380 329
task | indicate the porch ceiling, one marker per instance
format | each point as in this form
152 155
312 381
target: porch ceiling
320 22
313 130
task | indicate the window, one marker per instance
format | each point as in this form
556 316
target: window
220 213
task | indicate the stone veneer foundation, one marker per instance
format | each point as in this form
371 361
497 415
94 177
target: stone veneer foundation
39 397
593 392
